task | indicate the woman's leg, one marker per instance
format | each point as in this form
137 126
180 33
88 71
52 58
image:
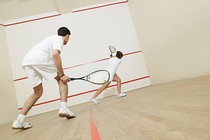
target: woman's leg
101 89
118 80
119 83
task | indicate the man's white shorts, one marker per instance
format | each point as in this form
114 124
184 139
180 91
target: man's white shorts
36 73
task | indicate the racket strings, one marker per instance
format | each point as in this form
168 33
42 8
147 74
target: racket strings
99 77
112 49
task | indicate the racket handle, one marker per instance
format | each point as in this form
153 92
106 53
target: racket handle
72 79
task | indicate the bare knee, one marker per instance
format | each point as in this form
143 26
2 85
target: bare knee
38 90
118 80
57 78
106 85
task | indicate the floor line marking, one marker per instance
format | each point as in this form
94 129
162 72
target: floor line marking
94 130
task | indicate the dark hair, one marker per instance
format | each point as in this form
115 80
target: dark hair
119 54
63 31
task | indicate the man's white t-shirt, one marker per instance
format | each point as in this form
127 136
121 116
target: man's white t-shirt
41 54
113 65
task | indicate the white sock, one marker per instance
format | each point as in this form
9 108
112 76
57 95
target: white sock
64 104
21 117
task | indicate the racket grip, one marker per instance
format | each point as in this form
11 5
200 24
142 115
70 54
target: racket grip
72 79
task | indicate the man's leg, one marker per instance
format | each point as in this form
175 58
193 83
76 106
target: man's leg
20 123
64 110
38 90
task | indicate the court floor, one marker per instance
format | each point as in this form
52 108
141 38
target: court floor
177 110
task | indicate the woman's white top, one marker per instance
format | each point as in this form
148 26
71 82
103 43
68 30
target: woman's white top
113 65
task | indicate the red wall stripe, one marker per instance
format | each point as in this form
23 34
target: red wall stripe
31 20
86 92
101 6
23 78
19 79
75 11
133 52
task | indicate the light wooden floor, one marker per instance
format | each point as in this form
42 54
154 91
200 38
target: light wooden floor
173 111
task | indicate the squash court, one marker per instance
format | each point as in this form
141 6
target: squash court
162 67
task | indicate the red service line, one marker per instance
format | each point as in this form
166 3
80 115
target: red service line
23 78
89 91
86 63
133 52
101 6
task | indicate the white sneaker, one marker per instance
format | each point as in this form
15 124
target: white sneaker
94 101
65 112
121 95
21 125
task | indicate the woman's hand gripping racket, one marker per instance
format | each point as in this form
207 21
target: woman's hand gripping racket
98 77
112 50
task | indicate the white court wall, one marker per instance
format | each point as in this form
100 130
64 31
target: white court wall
174 36
8 103
92 32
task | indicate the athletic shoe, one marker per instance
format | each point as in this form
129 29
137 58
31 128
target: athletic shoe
21 125
94 101
121 95
65 112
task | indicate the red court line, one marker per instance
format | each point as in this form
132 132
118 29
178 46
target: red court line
94 130
137 79
89 91
23 78
60 98
31 20
133 52
105 5
20 79
86 63
101 60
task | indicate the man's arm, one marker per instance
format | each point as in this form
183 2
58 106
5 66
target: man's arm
58 62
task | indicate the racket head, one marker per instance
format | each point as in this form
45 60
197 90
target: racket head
98 77
113 50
